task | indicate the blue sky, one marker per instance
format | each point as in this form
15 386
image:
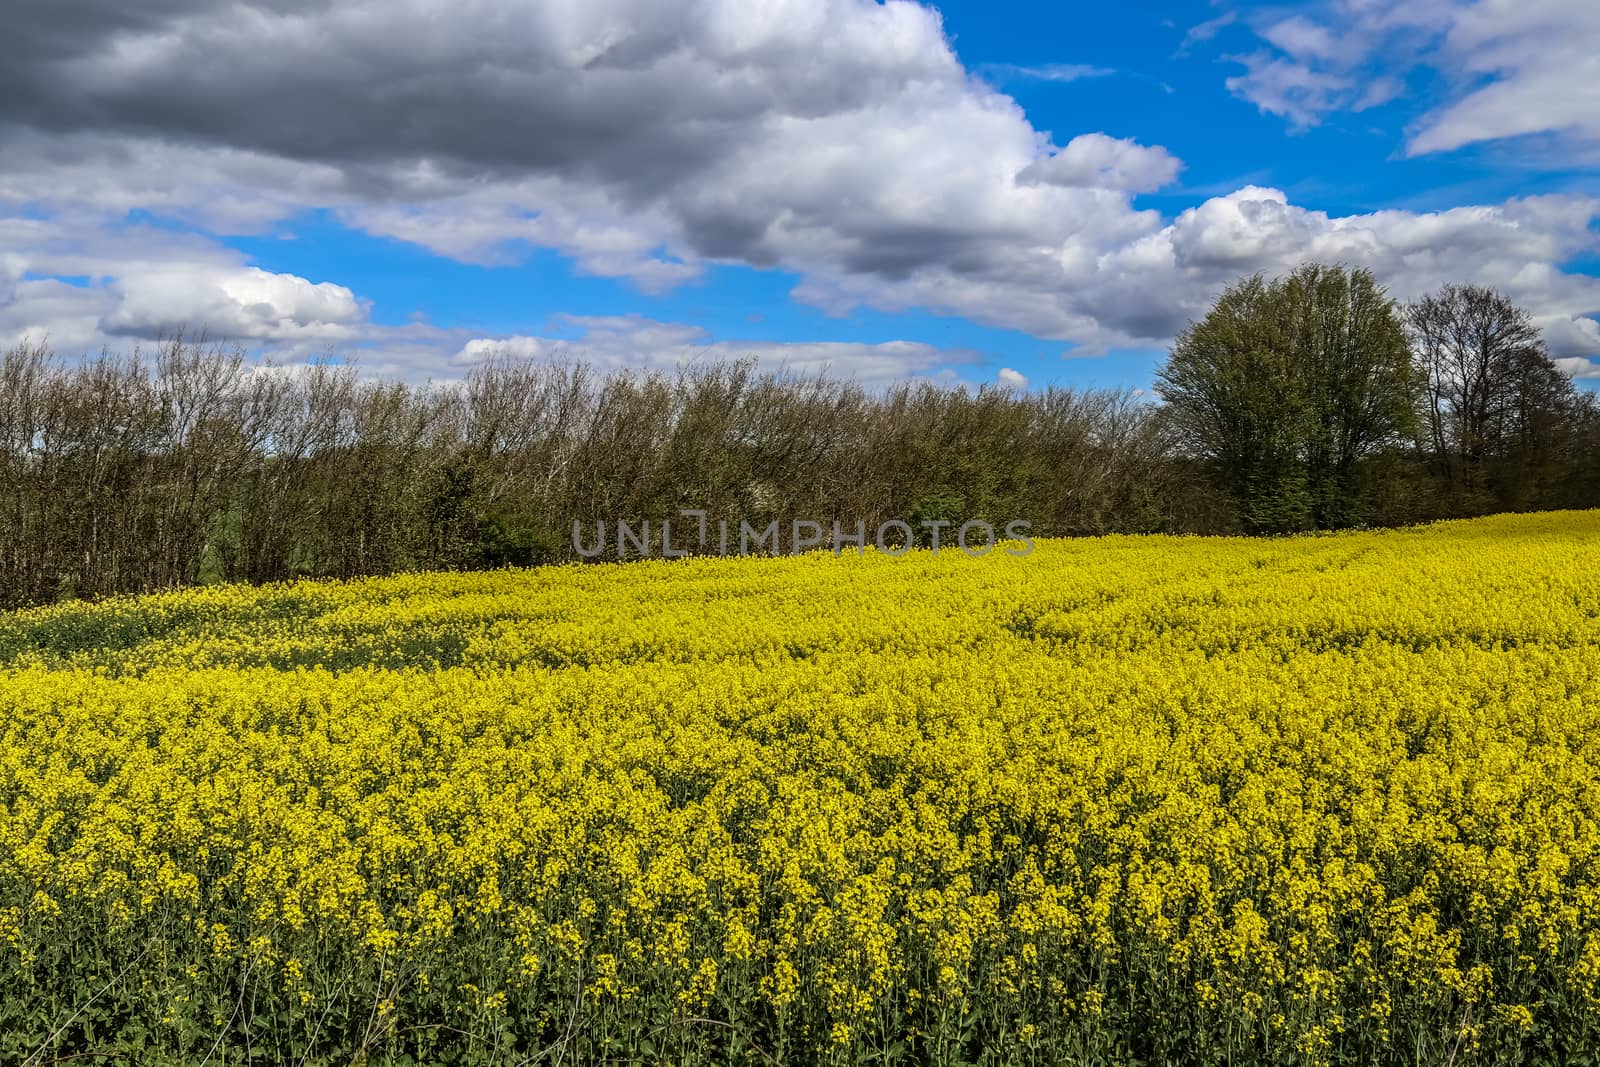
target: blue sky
1029 192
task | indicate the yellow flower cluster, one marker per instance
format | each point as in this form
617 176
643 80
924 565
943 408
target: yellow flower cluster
1126 800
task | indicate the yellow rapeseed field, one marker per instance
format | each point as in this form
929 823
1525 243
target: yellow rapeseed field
1326 800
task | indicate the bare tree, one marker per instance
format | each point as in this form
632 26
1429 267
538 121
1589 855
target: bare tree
1492 399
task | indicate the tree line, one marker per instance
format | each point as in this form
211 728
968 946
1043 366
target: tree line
1308 402
1317 402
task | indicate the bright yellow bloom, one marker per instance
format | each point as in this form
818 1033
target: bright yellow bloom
1319 796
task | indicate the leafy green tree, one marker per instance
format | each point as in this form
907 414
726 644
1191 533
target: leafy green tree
1286 387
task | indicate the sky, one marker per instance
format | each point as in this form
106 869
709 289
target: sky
1020 195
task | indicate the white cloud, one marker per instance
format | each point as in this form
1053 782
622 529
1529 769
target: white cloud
52 311
1543 57
631 341
1050 72
88 282
242 303
1010 379
1304 39
220 189
1573 340
1579 368
1291 89
1095 161
1139 291
1205 31
1514 67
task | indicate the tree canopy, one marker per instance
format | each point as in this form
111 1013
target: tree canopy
1285 386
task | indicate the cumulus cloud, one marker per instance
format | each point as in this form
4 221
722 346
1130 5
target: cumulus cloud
840 140
242 303
836 137
1010 379
1095 161
1140 292
1579 368
86 282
